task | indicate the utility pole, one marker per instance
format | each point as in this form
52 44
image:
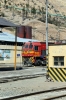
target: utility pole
15 49
28 8
47 38
13 9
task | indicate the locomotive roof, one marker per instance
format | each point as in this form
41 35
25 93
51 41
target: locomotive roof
33 43
38 42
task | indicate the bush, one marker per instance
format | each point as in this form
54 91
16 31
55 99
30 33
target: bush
6 6
2 14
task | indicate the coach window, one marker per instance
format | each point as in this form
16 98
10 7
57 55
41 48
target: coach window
59 61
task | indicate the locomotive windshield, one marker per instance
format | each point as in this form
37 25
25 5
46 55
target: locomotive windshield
25 46
30 46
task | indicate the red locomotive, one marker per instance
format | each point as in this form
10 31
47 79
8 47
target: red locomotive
34 53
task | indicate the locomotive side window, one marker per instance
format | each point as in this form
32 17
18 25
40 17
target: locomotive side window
59 61
36 48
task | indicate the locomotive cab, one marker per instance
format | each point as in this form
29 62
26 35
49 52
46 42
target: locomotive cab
34 53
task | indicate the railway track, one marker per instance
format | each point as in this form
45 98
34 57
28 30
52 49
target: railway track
55 97
61 92
23 77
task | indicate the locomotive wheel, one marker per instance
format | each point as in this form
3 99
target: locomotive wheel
38 62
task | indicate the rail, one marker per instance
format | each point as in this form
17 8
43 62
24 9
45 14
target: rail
40 92
15 78
55 97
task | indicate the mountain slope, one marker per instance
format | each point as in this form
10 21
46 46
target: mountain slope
56 24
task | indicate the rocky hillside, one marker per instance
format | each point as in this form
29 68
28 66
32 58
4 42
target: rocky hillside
33 13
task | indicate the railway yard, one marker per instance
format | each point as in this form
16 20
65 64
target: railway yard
29 83
32 67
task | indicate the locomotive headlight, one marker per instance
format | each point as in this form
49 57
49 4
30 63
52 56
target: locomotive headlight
28 51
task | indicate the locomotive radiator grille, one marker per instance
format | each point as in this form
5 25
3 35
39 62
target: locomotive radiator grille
32 59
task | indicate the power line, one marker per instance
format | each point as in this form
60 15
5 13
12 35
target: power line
18 8
59 15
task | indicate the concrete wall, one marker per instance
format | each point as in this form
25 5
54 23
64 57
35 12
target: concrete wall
10 50
57 50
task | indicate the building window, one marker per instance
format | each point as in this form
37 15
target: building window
59 61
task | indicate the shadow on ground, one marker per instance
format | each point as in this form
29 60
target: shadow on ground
10 69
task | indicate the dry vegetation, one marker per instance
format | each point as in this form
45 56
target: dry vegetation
55 32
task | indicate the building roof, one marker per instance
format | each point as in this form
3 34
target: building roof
5 36
6 23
